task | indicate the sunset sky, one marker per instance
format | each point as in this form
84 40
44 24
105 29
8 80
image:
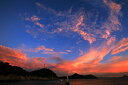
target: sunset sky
68 36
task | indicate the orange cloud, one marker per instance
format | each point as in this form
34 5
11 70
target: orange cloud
119 50
17 58
120 46
88 63
12 56
117 66
95 55
98 68
9 52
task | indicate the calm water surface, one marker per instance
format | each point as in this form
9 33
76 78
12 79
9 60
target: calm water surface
73 82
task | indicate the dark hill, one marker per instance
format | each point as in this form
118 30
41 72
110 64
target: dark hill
78 76
6 69
125 76
44 73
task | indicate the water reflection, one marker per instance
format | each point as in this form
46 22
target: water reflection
100 82
72 82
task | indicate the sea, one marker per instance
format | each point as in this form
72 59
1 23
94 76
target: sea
72 82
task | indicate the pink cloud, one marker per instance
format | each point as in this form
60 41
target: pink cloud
54 53
81 52
106 34
115 58
80 21
113 22
24 48
115 7
48 9
33 19
85 35
43 48
69 50
32 32
39 24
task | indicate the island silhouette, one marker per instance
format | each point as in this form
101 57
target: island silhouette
78 76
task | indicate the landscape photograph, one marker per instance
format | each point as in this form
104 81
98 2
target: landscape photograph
63 42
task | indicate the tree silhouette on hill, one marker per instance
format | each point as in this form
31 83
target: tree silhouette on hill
6 69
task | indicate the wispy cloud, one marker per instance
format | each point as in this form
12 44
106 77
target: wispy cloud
121 46
80 22
113 22
43 48
33 18
41 5
89 62
69 50
115 58
54 53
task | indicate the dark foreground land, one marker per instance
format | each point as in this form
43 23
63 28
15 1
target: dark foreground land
8 72
72 82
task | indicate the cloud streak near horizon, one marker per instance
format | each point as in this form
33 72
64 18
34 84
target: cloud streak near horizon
74 40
